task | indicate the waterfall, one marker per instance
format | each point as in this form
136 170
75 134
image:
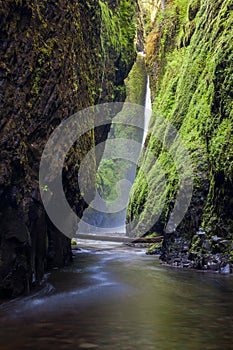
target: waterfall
98 222
148 111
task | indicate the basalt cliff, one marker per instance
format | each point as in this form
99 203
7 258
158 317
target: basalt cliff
190 61
57 57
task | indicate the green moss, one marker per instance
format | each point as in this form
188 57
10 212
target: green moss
58 57
117 39
190 62
136 82
110 172
154 248
193 9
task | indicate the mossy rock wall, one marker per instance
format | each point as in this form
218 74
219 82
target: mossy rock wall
111 171
190 59
57 57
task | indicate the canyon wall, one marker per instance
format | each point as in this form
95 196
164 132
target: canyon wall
57 57
190 62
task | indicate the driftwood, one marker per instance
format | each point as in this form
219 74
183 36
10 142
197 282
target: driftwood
120 238
106 237
157 239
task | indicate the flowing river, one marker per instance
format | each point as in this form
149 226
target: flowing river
115 297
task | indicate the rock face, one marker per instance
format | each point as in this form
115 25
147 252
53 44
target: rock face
57 57
111 171
190 59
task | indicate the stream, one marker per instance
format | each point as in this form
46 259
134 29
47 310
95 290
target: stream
115 297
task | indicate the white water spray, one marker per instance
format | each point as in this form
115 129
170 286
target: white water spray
148 111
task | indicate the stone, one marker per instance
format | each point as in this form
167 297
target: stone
226 269
201 232
35 101
206 245
185 248
210 210
215 239
213 266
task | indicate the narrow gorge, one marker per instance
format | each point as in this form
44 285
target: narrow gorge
60 57
116 120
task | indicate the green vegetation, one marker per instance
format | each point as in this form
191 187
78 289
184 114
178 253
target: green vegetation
57 58
136 82
73 242
110 172
154 248
117 39
190 60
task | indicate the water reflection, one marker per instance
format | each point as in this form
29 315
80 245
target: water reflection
120 299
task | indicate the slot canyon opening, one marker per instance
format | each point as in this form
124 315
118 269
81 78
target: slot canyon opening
105 216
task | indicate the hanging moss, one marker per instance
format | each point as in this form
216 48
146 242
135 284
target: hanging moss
190 62
58 57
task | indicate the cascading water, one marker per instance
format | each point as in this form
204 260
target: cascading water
148 110
103 222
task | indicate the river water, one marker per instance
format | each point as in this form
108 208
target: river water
115 297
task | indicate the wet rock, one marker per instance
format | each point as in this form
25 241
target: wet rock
206 245
225 244
215 239
201 232
208 219
35 100
226 269
185 248
187 265
213 265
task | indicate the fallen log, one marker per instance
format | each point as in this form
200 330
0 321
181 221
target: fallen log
121 238
108 238
157 239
